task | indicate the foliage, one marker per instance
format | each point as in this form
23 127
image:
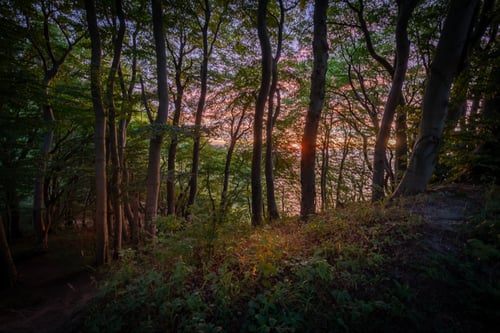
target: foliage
323 276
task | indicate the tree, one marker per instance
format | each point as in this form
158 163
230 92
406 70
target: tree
116 178
51 56
260 105
316 101
207 49
405 8
449 55
100 135
6 259
272 115
179 52
156 141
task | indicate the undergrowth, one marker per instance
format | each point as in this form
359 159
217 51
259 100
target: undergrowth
344 271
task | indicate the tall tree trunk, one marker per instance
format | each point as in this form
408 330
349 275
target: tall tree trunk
340 178
449 54
172 149
260 106
178 60
134 226
272 207
236 134
100 135
193 183
401 158
13 208
51 62
405 8
156 142
38 194
316 101
116 175
10 271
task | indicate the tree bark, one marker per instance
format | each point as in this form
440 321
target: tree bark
316 101
11 270
156 142
449 54
272 207
193 182
100 135
178 61
116 175
405 8
260 105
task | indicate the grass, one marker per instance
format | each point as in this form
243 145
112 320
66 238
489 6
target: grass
357 269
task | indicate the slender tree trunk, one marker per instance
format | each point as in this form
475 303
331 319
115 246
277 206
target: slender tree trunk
402 54
100 135
325 165
236 134
272 207
134 226
340 178
10 270
193 183
156 142
449 54
38 194
13 208
116 176
316 101
172 149
401 158
260 105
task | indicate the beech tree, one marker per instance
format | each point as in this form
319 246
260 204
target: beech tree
395 98
101 200
207 49
313 116
6 258
260 105
449 55
116 176
51 55
272 115
156 141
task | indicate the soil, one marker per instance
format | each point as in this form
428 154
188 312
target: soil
52 290
50 297
444 210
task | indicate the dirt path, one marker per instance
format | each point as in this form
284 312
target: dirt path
444 209
49 297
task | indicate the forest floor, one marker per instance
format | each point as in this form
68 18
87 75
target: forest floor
54 289
53 286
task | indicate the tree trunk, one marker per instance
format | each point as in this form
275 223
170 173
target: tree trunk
316 101
179 95
449 54
38 194
156 142
340 178
272 207
401 158
116 175
13 208
134 226
260 105
100 135
402 54
10 270
193 183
